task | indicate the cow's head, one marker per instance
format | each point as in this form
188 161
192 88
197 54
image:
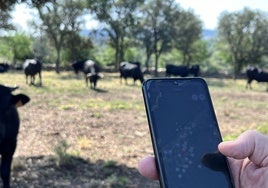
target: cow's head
78 66
7 99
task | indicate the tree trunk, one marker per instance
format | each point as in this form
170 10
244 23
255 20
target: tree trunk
58 62
156 65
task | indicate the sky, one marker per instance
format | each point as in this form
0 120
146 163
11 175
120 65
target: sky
210 10
207 10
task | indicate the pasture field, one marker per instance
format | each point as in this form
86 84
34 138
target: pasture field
72 136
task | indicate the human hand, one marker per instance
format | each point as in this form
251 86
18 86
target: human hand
247 155
248 159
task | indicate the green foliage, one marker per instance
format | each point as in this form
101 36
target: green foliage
5 52
118 17
245 33
117 181
187 31
61 20
5 20
110 163
42 49
19 44
63 158
104 54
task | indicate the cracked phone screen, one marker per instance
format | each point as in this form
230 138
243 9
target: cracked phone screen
185 134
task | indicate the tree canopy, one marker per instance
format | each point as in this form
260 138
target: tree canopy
245 34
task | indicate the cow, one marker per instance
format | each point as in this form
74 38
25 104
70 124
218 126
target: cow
4 67
93 78
32 67
182 70
90 69
253 73
9 128
131 70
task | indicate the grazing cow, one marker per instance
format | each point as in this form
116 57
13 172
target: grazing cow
254 73
32 67
9 128
93 78
90 69
182 70
4 67
130 70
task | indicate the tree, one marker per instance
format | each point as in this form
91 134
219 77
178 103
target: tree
60 19
156 28
41 49
186 32
144 36
77 47
6 5
118 17
5 20
20 46
245 34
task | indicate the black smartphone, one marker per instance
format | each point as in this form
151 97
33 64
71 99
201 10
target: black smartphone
185 134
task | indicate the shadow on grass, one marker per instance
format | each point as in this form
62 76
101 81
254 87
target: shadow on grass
36 84
98 90
43 171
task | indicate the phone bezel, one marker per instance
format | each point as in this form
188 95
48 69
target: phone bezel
162 177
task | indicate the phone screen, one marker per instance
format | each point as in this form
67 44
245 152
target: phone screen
185 134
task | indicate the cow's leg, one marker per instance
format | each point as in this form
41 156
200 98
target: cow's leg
7 155
5 170
26 76
94 84
86 79
248 86
40 78
134 81
32 79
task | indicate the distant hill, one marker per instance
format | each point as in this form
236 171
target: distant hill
207 34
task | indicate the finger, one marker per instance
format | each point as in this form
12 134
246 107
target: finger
251 144
147 168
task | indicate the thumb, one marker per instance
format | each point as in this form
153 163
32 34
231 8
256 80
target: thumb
147 168
250 144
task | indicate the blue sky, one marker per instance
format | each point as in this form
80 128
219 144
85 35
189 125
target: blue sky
207 10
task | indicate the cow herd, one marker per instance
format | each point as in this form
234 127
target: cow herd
127 69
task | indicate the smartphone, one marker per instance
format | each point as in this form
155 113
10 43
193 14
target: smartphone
185 134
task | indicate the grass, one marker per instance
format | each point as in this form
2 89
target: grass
237 109
68 120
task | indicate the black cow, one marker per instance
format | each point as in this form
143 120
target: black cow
253 73
130 70
181 70
4 67
32 67
93 78
90 69
9 128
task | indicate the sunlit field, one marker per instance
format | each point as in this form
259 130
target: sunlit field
109 123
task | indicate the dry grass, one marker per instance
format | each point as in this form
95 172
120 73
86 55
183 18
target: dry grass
110 124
